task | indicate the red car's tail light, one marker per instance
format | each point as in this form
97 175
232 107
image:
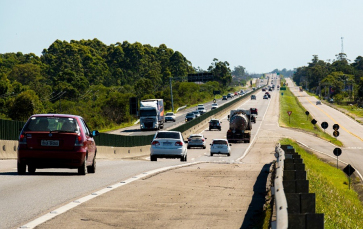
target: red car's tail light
22 139
202 140
155 143
179 143
78 141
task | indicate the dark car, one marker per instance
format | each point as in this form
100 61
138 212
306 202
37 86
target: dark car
56 141
224 97
268 94
190 116
215 124
253 96
265 96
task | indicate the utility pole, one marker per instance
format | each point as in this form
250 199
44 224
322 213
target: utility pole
171 94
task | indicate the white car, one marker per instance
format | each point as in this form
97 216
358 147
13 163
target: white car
196 140
168 144
220 146
196 113
201 110
214 106
170 116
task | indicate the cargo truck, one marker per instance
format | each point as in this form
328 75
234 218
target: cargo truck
240 126
151 114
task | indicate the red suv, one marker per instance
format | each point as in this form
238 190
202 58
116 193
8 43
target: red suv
56 141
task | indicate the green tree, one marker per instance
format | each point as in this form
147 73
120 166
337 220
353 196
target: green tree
24 105
221 71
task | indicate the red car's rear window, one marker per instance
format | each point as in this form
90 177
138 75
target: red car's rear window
52 124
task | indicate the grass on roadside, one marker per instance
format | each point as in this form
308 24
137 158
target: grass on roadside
340 205
298 119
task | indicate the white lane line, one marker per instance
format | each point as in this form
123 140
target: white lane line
75 203
360 176
254 138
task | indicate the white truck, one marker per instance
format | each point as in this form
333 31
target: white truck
151 114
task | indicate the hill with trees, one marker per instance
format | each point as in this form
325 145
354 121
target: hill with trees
96 81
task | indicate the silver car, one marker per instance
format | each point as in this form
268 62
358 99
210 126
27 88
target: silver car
196 140
168 144
220 146
196 113
170 116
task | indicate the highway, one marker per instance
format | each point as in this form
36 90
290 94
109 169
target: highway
350 131
180 118
26 197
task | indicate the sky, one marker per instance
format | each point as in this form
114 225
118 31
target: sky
260 35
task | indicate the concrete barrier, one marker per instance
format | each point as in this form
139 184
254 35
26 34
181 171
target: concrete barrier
8 150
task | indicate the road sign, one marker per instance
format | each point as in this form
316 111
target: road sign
313 121
335 127
289 113
307 112
336 133
349 170
337 152
324 125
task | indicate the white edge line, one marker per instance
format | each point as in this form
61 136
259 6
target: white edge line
360 176
84 199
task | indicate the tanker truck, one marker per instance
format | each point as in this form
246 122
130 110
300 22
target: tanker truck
239 126
151 114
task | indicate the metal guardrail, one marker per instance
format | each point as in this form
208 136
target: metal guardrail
181 108
280 198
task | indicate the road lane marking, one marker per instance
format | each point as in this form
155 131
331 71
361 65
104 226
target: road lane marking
335 120
75 203
360 176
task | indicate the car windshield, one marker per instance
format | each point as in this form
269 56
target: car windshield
196 112
169 114
190 114
214 104
144 113
173 135
52 124
200 108
214 121
220 142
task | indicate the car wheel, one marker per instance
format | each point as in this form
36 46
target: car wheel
82 170
204 147
92 168
31 169
153 158
21 168
211 154
188 147
209 129
228 154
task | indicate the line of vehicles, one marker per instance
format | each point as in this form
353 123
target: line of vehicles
65 141
170 144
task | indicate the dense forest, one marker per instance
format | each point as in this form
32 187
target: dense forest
96 81
337 79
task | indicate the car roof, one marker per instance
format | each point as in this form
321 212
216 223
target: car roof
219 139
57 115
201 135
168 131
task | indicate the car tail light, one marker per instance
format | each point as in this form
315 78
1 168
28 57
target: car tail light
189 139
155 143
179 143
22 139
202 140
79 141
229 131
